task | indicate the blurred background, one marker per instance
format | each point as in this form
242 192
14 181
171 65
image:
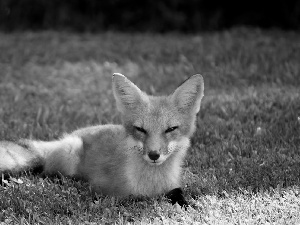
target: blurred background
147 15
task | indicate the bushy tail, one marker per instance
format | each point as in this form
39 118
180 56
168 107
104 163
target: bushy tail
18 156
54 156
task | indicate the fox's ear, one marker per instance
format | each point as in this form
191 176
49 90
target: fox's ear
128 96
187 97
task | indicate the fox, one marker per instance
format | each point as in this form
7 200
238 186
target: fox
143 156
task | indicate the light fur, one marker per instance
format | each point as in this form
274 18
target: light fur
116 159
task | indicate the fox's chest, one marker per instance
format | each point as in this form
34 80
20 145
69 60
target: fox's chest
148 180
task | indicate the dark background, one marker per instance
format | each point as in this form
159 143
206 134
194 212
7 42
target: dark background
147 15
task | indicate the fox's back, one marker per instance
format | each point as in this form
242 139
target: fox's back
102 159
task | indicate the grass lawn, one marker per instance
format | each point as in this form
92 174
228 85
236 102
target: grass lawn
244 164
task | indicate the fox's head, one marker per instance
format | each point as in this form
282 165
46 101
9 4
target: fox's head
159 125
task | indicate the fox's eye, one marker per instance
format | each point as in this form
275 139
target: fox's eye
170 129
140 129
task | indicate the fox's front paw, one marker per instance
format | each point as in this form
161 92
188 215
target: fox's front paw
176 196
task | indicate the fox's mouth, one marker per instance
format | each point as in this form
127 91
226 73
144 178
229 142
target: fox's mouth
155 162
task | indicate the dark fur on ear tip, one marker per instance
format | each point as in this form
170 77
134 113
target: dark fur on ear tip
176 196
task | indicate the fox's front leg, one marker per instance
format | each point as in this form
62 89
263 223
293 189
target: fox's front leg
176 196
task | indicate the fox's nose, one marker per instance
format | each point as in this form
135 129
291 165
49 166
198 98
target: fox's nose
153 155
